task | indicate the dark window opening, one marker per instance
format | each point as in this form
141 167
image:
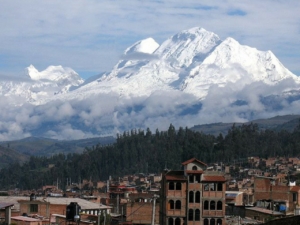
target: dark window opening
178 204
219 222
171 204
295 195
197 215
219 205
177 221
212 205
171 186
198 177
212 222
33 207
194 168
191 214
170 221
191 196
197 197
206 222
191 178
178 186
206 205
220 186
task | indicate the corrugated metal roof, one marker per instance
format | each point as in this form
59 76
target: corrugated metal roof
5 204
25 218
266 211
84 204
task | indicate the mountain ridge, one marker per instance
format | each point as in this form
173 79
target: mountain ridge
193 77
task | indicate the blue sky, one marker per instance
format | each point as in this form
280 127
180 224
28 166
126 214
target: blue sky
90 35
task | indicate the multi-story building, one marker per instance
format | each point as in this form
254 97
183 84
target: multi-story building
192 196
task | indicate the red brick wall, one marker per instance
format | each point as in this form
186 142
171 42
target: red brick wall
141 213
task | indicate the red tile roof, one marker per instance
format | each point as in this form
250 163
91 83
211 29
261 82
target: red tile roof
194 171
192 160
213 178
175 175
295 189
170 177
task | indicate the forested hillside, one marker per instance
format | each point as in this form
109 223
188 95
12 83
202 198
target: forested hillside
141 151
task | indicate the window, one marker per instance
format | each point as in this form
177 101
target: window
177 221
170 221
220 187
212 222
219 205
198 177
178 204
219 221
171 186
206 187
212 187
171 204
295 195
212 205
206 205
197 200
33 207
191 178
178 186
206 222
191 214
194 168
191 196
197 215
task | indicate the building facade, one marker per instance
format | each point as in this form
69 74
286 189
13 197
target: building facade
192 196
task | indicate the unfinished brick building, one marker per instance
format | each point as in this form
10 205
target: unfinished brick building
270 194
192 196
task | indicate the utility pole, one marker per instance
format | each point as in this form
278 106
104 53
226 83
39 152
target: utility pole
118 203
153 209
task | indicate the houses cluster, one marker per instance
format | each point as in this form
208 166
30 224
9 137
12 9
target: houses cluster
255 190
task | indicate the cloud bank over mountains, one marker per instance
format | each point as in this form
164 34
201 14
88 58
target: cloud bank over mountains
192 78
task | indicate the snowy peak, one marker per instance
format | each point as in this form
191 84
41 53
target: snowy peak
258 65
32 72
147 46
58 74
188 44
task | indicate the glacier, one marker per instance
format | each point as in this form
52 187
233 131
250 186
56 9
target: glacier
191 78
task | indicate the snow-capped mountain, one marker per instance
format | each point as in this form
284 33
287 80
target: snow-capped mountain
190 61
193 77
38 85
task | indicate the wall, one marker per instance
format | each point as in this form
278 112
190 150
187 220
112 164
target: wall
141 213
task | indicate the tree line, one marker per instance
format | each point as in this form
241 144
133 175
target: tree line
139 151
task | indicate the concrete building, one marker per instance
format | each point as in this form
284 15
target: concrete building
192 196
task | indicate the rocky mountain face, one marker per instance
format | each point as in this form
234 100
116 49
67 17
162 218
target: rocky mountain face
192 78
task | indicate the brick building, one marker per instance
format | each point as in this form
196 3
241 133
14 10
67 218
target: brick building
139 209
270 194
192 196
